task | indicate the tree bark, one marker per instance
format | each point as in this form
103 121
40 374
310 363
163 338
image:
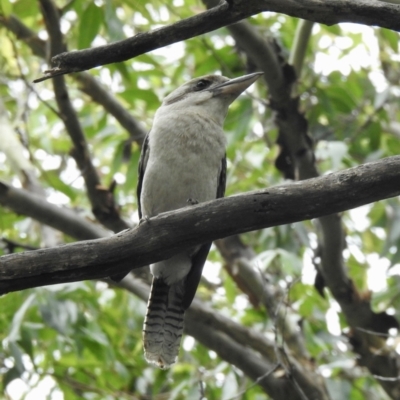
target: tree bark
162 236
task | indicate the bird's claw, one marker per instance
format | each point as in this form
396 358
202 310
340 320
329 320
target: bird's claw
192 202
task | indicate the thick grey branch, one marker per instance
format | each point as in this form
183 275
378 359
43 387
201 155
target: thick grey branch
65 220
367 12
162 236
297 147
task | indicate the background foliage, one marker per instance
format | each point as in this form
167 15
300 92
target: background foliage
83 340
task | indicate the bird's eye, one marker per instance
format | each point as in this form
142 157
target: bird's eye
202 84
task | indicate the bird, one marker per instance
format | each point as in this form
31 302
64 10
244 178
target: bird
182 163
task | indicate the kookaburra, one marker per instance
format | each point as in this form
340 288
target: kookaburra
182 162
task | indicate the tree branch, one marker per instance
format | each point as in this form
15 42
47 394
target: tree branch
88 84
23 168
331 12
234 343
164 235
65 220
101 198
296 160
300 43
101 95
261 290
257 368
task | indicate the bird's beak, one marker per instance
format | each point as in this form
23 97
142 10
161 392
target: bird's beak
234 87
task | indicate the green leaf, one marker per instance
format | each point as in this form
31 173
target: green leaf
113 24
53 179
238 120
93 332
17 356
338 390
26 341
22 8
373 133
341 99
132 172
14 334
59 315
89 26
117 158
6 7
230 289
148 96
392 38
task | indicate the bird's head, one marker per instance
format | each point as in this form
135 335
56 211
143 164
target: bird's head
208 95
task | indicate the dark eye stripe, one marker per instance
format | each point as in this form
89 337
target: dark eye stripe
176 99
198 86
202 84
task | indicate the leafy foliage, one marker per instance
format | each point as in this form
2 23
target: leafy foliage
83 340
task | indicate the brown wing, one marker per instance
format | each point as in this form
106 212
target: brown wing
199 259
144 156
222 179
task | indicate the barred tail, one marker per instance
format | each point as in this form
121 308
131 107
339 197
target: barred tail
163 325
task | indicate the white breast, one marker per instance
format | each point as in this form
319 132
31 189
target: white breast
184 162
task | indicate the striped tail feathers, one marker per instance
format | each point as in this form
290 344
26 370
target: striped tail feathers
163 325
